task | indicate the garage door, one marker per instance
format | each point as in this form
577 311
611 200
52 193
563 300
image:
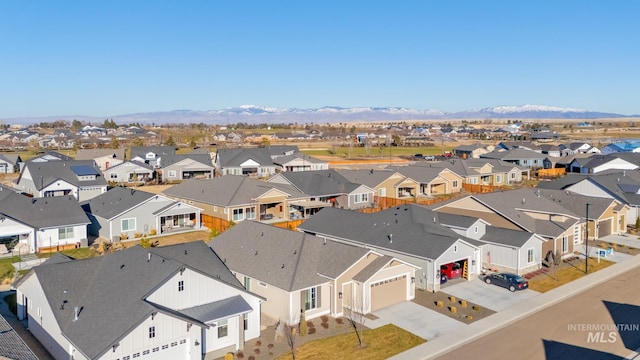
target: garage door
388 292
604 228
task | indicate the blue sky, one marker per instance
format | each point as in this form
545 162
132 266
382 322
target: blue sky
117 57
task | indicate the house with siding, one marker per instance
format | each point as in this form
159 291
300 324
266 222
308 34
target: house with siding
151 154
472 151
298 272
483 171
80 178
432 181
385 183
255 162
411 233
519 156
133 171
328 186
525 210
105 158
9 164
173 302
35 224
599 163
123 213
187 166
238 198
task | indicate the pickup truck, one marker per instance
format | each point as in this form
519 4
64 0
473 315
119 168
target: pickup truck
451 270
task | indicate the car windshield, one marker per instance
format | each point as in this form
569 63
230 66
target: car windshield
519 278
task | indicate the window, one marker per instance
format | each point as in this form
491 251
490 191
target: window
455 183
250 213
382 192
172 173
247 283
365 197
356 198
576 235
65 233
475 229
498 179
223 328
565 244
128 224
245 321
513 175
152 332
238 214
310 298
530 255
473 180
455 248
181 285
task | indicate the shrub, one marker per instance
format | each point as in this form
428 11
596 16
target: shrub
439 303
325 325
258 343
469 317
312 331
452 299
137 235
463 303
324 318
476 307
303 325
339 321
124 236
453 309
240 355
153 232
256 351
270 346
145 243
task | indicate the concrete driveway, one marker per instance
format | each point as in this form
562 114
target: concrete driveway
615 257
490 296
416 319
624 239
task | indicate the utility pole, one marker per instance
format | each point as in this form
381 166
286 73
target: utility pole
586 243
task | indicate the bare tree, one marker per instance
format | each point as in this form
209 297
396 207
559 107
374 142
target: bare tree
291 336
354 312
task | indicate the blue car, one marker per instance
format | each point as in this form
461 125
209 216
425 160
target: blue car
510 281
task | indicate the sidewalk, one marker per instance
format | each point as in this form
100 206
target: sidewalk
486 326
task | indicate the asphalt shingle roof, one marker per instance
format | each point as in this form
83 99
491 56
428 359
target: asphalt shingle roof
42 213
368 177
11 344
507 237
320 182
289 260
236 156
115 201
410 229
46 173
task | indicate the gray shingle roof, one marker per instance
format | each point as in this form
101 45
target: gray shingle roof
617 184
168 160
368 271
509 237
289 260
515 154
368 177
236 156
469 167
123 278
11 344
89 154
46 173
141 151
228 190
115 201
221 309
320 182
281 160
410 229
42 213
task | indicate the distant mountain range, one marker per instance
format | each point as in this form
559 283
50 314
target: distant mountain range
252 114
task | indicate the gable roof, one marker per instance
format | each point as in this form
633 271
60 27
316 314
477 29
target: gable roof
115 201
45 173
409 229
228 190
289 260
282 160
514 154
132 275
320 182
141 151
620 185
42 213
509 237
368 177
168 160
469 167
229 157
90 154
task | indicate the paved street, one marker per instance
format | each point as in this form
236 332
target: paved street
490 296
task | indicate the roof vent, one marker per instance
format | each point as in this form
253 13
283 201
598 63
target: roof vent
523 201
390 236
282 267
76 312
538 193
121 266
149 257
434 219
295 252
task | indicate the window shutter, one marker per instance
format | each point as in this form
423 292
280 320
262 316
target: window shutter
319 296
303 297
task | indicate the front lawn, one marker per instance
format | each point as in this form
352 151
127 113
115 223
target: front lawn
566 273
6 269
78 253
380 343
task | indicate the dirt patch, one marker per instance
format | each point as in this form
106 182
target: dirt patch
465 311
619 248
173 239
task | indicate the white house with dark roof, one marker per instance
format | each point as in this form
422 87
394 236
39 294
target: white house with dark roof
128 172
255 162
298 272
34 224
80 178
9 164
123 213
411 233
173 302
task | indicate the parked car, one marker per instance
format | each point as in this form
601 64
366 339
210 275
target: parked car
451 270
429 157
510 281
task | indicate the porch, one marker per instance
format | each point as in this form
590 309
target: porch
178 222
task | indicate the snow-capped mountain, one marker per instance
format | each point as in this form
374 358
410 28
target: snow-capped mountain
253 114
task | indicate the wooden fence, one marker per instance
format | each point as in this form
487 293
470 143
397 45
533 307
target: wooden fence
291 224
215 223
481 189
550 173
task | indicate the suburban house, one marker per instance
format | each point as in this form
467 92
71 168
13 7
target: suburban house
237 198
525 210
385 183
9 164
521 157
151 154
254 162
187 166
599 163
299 162
30 225
632 146
551 150
133 171
328 186
432 181
577 148
508 250
298 272
411 233
123 213
623 187
472 151
105 158
173 302
80 178
512 145
483 171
